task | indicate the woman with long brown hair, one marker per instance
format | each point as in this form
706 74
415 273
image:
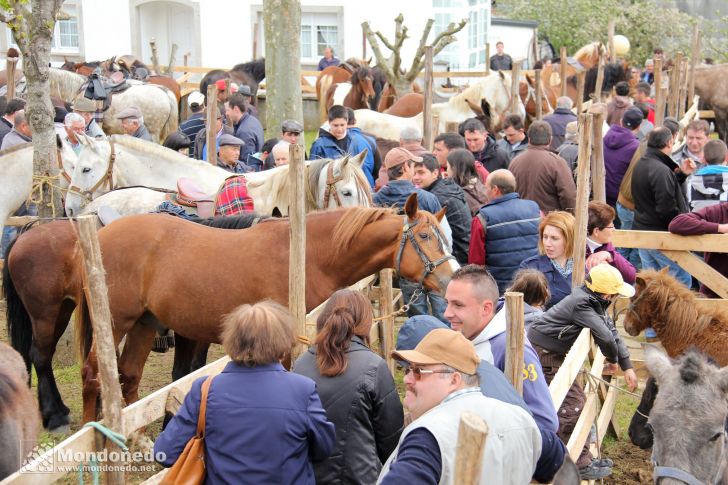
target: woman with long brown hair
356 389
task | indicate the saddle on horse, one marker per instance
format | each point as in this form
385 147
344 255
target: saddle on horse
98 87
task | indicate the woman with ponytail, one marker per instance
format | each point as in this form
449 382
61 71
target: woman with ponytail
356 389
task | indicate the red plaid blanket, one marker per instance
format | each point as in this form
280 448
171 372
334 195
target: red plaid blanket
233 197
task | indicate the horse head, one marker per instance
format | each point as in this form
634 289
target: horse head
653 292
640 432
423 254
92 176
689 416
340 182
364 78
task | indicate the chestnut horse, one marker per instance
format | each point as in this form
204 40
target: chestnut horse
663 303
169 267
355 93
19 418
41 290
248 73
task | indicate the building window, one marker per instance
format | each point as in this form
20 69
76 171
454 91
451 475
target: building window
473 30
318 30
65 35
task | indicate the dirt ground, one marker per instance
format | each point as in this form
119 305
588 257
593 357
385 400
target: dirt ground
632 465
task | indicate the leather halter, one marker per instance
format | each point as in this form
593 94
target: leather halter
108 177
660 472
331 182
430 266
61 169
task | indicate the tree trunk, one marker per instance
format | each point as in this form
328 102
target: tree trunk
282 24
36 50
403 86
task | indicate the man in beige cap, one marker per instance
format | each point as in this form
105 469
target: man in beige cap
132 122
86 108
441 384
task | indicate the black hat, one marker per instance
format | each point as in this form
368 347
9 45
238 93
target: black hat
632 118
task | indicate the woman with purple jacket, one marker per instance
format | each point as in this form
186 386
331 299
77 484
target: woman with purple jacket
599 247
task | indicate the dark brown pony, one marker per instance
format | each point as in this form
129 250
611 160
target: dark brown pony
409 105
187 276
248 73
19 418
362 90
663 303
389 96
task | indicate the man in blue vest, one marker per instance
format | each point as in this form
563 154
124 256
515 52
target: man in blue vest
505 230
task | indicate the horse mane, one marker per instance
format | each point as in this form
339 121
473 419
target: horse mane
478 89
154 149
691 366
255 68
588 51
672 307
353 222
613 73
359 73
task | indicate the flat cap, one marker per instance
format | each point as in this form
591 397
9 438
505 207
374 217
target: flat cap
291 126
130 112
83 105
226 140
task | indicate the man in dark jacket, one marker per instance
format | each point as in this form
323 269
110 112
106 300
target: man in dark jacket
558 120
451 196
516 140
709 185
658 197
500 61
620 143
484 149
505 231
400 169
541 175
245 126
196 122
554 333
712 219
200 151
6 122
132 122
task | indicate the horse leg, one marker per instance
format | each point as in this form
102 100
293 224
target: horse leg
137 347
46 336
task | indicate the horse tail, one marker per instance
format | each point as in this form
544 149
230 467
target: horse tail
326 80
170 126
20 328
83 330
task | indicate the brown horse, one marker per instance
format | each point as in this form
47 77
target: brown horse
389 96
663 303
187 276
359 89
712 87
330 76
248 73
19 418
409 105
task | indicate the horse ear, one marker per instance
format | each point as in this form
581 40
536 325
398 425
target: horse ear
410 207
440 214
658 363
664 270
723 380
369 61
640 283
358 159
502 76
568 474
276 212
531 82
476 109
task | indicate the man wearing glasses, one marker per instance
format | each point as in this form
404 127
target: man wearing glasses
441 384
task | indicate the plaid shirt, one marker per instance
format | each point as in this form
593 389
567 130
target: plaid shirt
233 197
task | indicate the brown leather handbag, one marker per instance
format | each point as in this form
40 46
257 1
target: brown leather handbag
189 469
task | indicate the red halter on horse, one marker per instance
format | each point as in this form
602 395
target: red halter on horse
192 276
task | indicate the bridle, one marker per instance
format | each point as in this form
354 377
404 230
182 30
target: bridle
430 266
531 95
61 168
660 472
108 177
331 182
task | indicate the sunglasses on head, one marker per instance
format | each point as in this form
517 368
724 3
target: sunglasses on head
419 372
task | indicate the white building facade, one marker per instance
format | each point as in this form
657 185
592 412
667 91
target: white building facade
222 33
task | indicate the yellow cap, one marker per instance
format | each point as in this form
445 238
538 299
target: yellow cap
606 279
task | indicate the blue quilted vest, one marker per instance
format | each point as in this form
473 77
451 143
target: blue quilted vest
511 235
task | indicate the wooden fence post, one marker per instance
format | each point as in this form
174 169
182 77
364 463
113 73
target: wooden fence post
155 58
564 61
472 436
451 127
487 58
514 336
539 95
598 176
427 108
597 96
170 65
657 72
386 325
297 243
660 100
12 63
103 340
515 75
683 93
694 59
211 134
674 87
435 131
580 77
610 41
582 198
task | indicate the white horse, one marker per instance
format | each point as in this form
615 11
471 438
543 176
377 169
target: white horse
16 176
492 93
157 103
141 163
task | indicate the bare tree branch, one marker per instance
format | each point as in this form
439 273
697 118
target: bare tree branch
398 42
423 42
6 18
381 60
438 44
385 41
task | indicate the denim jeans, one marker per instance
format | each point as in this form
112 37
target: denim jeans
626 217
654 259
10 233
420 305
